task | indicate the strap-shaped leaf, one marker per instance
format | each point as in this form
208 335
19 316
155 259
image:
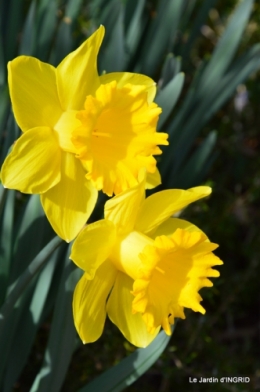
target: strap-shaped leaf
195 24
4 110
244 66
168 97
195 113
161 31
135 26
214 99
31 228
197 165
8 328
29 35
130 368
17 298
6 237
2 62
12 133
46 24
62 339
226 47
19 286
64 42
11 16
28 320
112 52
171 68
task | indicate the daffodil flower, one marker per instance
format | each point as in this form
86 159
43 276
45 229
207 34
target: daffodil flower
141 266
81 133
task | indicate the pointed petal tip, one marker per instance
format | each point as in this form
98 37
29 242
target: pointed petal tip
102 28
207 190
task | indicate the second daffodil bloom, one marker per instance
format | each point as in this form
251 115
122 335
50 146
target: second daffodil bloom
141 266
81 133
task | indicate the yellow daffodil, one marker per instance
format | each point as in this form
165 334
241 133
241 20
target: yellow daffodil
142 266
81 132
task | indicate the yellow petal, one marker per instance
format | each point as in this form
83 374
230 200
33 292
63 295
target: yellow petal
123 208
153 179
33 166
34 96
124 78
69 204
93 246
64 128
162 205
89 302
77 74
119 309
171 225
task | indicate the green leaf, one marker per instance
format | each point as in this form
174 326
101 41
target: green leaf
8 329
73 9
28 40
46 24
62 339
135 26
195 26
6 237
31 228
3 193
4 109
130 368
160 33
39 28
2 62
12 132
112 53
195 112
244 66
214 99
18 299
64 42
11 20
171 67
20 284
27 323
226 48
168 97
197 165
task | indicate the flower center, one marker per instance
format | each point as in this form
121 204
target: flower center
172 272
125 254
117 136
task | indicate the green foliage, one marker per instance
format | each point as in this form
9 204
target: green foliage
161 39
129 369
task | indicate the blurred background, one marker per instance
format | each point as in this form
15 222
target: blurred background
212 115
